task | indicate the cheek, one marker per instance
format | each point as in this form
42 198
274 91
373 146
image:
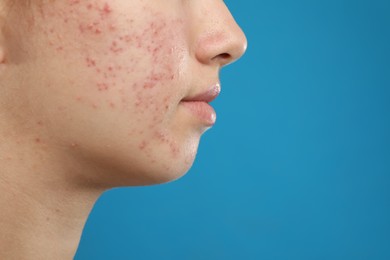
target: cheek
128 62
132 65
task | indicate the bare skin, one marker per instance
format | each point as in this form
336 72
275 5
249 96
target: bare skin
96 95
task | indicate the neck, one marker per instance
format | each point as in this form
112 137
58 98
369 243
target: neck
42 211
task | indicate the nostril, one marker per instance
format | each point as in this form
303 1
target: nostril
223 58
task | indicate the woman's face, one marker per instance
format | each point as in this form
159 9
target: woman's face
119 87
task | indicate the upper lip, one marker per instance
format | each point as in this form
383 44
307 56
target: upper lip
206 96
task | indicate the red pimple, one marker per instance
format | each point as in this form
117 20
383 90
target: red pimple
161 136
138 102
90 62
115 48
106 9
143 145
174 149
94 27
102 86
157 49
127 38
112 105
112 28
149 85
156 77
37 140
81 28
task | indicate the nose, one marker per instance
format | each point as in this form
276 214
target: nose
220 40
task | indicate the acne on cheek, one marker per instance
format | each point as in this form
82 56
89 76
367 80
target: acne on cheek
154 42
111 77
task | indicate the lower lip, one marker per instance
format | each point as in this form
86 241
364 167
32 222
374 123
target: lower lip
202 110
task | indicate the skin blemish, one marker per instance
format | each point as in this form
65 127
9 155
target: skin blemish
106 9
138 102
90 62
149 84
115 48
130 66
172 144
94 28
100 12
175 150
111 28
102 86
74 2
111 104
142 145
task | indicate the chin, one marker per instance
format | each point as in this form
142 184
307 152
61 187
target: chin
169 169
120 165
166 171
163 169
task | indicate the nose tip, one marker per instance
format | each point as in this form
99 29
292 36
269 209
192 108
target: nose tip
223 42
236 48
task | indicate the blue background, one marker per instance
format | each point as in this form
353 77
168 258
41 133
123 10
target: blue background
298 164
